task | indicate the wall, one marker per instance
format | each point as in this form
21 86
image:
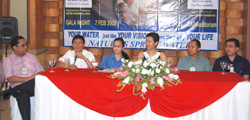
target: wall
231 25
31 24
18 9
45 26
246 28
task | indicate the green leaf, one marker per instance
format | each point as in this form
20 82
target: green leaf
167 83
150 86
132 82
138 87
126 67
120 84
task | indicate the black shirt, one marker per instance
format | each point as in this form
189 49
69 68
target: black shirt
241 65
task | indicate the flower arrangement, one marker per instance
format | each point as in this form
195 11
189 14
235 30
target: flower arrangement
146 74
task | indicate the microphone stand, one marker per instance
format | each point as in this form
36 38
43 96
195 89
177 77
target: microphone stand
6 49
6 45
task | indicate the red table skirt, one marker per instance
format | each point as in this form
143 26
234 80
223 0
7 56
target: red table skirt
97 92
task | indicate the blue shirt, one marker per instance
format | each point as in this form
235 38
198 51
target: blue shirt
109 61
200 63
240 64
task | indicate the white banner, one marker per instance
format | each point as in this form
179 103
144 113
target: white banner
136 40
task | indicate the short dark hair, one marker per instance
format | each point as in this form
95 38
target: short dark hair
15 42
198 43
78 37
237 42
154 35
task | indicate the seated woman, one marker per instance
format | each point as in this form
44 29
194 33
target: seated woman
114 60
151 54
79 57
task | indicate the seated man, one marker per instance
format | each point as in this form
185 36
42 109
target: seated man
79 57
193 61
240 64
19 68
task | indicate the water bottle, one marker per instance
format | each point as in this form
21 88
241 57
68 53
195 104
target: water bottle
231 68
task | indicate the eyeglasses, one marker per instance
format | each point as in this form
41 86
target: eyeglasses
24 45
117 46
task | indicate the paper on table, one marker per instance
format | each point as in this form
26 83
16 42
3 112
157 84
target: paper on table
107 70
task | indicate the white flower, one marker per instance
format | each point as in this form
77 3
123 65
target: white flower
171 75
145 85
149 72
157 70
167 70
157 65
126 80
152 73
162 63
153 65
144 71
123 60
117 73
145 64
144 88
130 64
137 70
160 81
133 69
138 62
176 77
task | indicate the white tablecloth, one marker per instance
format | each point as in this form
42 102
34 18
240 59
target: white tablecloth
52 104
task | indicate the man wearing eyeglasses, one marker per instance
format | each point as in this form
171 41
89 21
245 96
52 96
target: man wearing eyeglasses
20 69
240 64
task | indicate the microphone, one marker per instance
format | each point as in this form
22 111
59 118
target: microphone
75 59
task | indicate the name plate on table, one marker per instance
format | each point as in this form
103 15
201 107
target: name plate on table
106 71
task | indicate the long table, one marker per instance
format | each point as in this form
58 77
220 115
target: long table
86 95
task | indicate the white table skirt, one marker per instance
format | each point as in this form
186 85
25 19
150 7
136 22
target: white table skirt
52 104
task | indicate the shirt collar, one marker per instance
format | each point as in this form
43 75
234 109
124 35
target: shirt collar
235 59
83 51
14 56
113 57
198 57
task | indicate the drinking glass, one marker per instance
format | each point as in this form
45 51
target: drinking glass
66 62
223 65
227 69
52 64
169 63
94 63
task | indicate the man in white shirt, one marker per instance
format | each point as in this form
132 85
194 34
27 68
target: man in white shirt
79 57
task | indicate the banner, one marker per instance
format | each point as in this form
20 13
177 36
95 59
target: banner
176 21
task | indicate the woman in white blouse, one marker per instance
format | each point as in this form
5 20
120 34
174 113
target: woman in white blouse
151 54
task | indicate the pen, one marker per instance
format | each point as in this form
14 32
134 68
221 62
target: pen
75 59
